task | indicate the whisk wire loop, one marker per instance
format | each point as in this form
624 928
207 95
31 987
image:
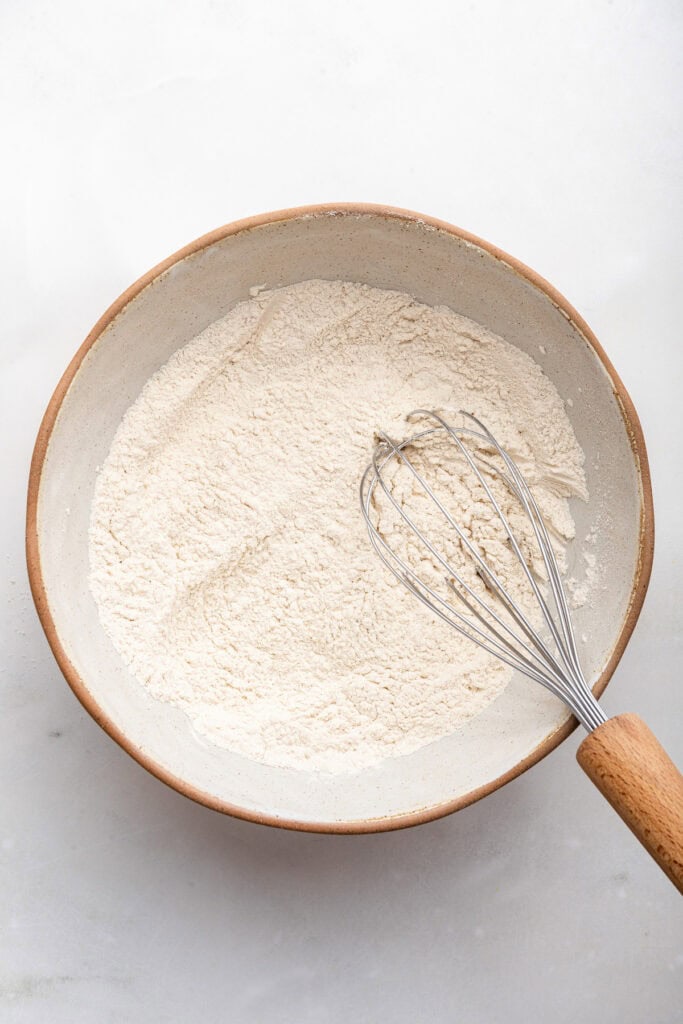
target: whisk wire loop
526 498
482 565
520 494
503 631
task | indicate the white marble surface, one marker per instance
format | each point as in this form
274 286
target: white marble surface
129 129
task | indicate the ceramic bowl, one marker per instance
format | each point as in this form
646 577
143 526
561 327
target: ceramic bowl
386 248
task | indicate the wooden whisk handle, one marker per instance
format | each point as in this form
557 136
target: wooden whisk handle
634 772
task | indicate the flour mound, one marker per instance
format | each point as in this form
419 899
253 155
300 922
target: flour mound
229 558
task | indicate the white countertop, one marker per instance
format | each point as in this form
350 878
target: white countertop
551 130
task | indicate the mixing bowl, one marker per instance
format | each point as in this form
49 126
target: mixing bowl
387 248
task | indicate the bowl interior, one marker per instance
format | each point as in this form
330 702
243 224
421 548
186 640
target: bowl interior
437 266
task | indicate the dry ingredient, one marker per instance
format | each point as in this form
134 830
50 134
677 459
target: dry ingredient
229 559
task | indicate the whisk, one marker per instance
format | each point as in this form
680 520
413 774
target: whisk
620 754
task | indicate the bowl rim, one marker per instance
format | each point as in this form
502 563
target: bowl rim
39 590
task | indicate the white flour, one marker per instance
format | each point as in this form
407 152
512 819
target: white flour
229 559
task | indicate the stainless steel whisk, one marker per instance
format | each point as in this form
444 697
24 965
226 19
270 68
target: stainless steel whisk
620 754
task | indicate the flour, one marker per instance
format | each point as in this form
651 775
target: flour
580 591
229 559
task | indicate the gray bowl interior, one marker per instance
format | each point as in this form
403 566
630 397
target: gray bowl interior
436 267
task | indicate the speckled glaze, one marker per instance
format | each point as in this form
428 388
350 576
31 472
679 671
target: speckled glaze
386 248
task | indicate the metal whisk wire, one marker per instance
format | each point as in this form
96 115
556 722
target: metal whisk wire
504 631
